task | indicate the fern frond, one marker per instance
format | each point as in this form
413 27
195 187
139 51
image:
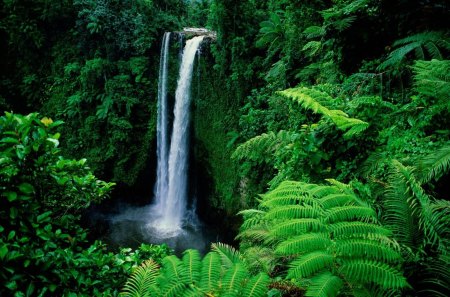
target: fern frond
309 99
321 191
172 289
172 267
234 279
256 147
349 213
309 264
297 227
229 256
432 78
260 259
142 281
256 286
367 249
289 200
435 279
334 200
252 218
210 272
286 188
191 266
294 212
365 271
434 165
429 40
324 285
314 32
349 229
418 202
304 244
257 234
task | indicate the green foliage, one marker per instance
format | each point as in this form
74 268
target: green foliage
432 80
219 273
310 98
44 251
426 44
329 236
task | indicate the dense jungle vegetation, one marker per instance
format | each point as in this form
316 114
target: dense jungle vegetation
321 132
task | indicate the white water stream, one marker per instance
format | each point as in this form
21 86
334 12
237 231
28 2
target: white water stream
172 181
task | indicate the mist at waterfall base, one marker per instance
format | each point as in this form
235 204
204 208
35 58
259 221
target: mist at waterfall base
171 218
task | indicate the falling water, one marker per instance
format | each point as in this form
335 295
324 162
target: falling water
169 219
172 208
161 188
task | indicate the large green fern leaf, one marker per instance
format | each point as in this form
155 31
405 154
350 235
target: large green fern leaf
191 266
142 281
210 272
366 271
304 244
256 286
309 264
324 285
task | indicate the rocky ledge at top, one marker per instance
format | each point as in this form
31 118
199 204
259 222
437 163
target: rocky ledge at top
189 32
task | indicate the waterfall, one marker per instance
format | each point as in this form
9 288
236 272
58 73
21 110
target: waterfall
162 138
171 199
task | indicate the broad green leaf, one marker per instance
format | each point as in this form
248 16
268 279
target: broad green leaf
26 188
12 196
3 251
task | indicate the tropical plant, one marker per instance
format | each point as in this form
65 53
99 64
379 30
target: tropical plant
331 239
220 272
431 44
311 99
41 242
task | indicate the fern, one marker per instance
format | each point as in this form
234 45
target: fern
430 41
366 271
324 285
309 264
210 272
368 249
192 265
310 99
329 240
417 207
221 272
432 78
304 244
142 281
256 286
233 279
297 226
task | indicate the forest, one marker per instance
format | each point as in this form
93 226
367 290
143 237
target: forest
320 146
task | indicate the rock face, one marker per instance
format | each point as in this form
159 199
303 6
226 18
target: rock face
191 32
